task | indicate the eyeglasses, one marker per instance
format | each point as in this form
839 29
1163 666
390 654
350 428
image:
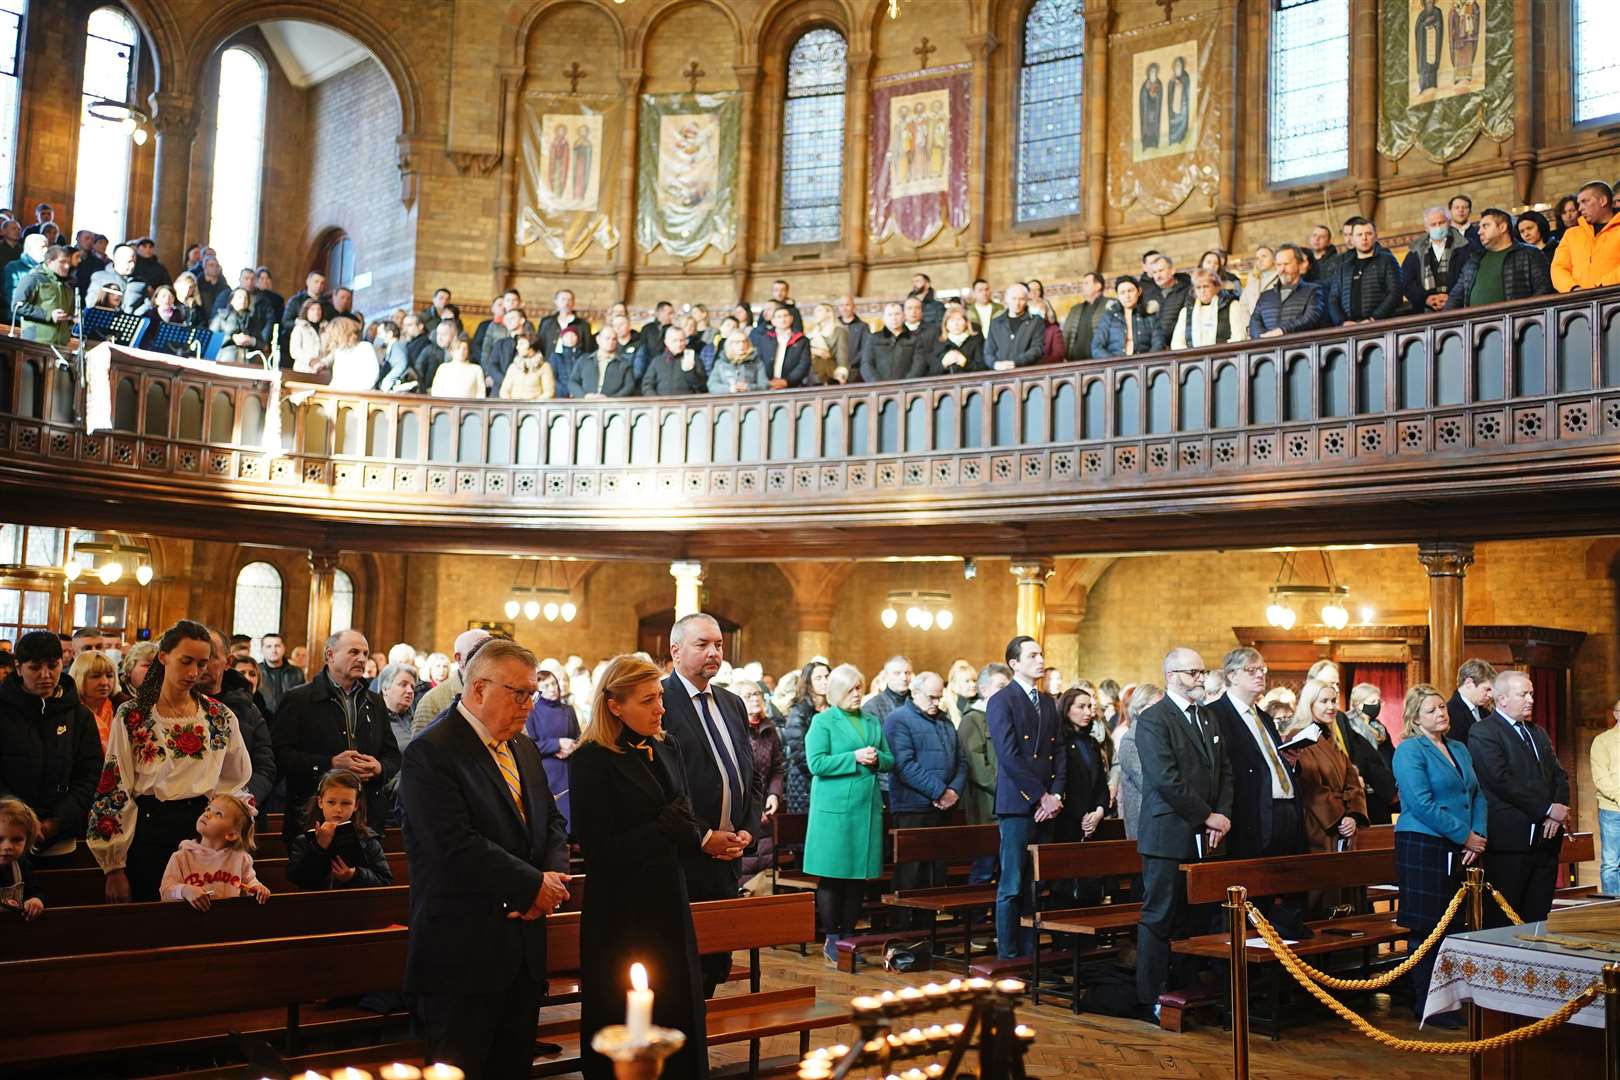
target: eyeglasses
1260 671
1193 673
520 694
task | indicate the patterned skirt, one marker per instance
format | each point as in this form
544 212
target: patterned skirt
1428 869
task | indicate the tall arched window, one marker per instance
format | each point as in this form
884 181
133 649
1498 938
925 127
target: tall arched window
12 14
1597 66
1310 89
101 192
233 219
1049 91
813 138
258 601
342 601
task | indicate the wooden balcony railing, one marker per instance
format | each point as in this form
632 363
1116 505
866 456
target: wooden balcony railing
1378 406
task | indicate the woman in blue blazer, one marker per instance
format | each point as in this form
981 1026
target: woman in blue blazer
1441 829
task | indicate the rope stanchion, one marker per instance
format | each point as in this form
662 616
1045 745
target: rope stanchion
1292 965
1502 902
1611 1021
1237 905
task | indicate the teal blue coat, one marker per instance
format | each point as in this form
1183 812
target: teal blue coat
845 834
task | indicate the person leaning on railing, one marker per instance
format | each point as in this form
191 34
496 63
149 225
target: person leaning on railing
1125 328
1291 305
1508 268
1589 253
1441 829
44 299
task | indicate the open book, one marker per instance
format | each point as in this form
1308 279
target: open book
1308 735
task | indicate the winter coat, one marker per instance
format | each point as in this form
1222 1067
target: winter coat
844 838
1524 273
928 760
38 294
1305 309
1108 339
1380 286
796 770
50 753
979 756
309 866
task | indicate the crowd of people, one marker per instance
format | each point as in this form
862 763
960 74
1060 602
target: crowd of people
668 775
1460 260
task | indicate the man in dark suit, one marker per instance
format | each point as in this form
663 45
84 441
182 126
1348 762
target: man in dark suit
1292 305
1031 772
1526 800
1015 338
1265 812
335 721
1472 701
1187 790
488 855
710 725
604 373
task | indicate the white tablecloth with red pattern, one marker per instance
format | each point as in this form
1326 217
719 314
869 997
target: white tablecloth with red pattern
1497 970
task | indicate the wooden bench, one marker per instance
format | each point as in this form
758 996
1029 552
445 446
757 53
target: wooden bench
1050 863
266 846
941 844
87 885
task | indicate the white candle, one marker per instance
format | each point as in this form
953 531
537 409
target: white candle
638 1005
399 1071
441 1071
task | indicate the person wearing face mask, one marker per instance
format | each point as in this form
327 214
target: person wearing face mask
1366 703
1434 262
52 749
170 751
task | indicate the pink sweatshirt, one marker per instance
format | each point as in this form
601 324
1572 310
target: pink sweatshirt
223 873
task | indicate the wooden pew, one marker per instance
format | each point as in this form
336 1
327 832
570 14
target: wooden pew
87 885
941 844
267 845
1111 859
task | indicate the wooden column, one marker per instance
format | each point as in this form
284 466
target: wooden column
981 46
322 577
1522 147
175 125
743 253
1031 617
505 241
688 587
1094 172
1226 197
858 107
624 269
1447 564
1364 106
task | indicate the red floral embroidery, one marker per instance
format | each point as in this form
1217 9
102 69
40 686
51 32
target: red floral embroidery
109 780
142 739
186 740
106 827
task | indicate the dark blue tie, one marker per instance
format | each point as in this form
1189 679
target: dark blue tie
1524 733
729 767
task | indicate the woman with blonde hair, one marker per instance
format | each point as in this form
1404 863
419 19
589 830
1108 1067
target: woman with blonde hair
352 359
961 689
633 819
1331 791
843 844
829 347
188 300
458 376
96 679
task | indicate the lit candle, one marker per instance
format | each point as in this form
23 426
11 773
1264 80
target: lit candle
309 1074
349 1073
441 1071
638 1005
1025 1033
400 1071
866 1004
1011 987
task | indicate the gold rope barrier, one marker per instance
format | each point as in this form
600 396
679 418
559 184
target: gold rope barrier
1291 964
1502 902
1377 982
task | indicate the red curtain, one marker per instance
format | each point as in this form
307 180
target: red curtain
1548 686
1391 682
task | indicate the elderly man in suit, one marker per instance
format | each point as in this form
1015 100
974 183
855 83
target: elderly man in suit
1031 771
1265 811
710 725
1526 800
488 855
1471 702
1186 812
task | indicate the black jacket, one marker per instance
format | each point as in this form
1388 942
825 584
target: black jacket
236 694
1524 273
860 333
1252 807
1079 325
550 331
1085 785
274 682
1380 286
1108 337
1305 309
972 350
894 356
1022 345
795 365
664 378
1518 785
309 866
619 380
1376 773
705 779
50 753
1170 302
1462 717
308 733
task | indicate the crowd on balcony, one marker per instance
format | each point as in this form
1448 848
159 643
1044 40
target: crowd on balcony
1459 260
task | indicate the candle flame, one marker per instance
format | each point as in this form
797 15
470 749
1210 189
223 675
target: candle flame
638 976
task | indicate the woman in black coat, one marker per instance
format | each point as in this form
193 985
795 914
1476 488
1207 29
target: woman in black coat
633 820
811 699
1085 791
956 338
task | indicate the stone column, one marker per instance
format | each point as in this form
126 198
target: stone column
855 160
1447 564
743 253
1522 146
175 125
624 269
1226 197
816 588
322 578
688 587
981 46
505 241
1032 575
1364 107
1094 172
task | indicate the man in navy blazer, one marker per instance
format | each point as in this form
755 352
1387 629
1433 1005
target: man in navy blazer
1526 800
1031 765
488 855
709 723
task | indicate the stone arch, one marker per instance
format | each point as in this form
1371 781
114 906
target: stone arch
156 24
638 39
778 25
515 37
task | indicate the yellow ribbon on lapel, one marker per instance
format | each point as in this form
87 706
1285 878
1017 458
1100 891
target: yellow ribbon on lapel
644 748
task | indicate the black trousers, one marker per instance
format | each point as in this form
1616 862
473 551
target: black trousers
1527 879
159 828
918 875
1165 917
838 905
487 1036
712 879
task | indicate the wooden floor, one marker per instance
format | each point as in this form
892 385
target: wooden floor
1318 1047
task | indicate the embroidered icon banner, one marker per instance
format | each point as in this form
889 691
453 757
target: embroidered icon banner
1166 123
1447 76
566 149
917 157
687 177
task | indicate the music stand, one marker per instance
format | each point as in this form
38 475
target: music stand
178 339
119 327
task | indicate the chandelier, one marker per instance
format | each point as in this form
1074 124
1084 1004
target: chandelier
533 599
923 610
108 561
1286 593
131 118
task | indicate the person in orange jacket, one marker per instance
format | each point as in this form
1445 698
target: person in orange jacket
1589 254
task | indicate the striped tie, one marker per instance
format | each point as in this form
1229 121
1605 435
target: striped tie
508 766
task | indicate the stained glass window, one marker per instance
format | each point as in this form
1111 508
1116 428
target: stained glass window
1597 66
101 192
258 601
233 220
813 138
1310 89
342 601
1049 107
12 13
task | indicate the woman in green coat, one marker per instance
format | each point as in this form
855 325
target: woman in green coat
843 845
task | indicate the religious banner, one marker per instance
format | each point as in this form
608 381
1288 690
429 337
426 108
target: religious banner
1447 75
564 155
687 187
1167 122
918 156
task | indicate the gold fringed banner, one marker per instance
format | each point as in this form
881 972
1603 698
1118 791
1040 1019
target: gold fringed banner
568 147
1166 114
1447 75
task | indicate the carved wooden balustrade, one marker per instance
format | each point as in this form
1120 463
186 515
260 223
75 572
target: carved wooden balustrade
1525 390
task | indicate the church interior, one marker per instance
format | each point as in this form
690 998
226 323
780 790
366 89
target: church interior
1421 476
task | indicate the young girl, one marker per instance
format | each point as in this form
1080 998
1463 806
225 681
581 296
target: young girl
311 862
217 863
18 827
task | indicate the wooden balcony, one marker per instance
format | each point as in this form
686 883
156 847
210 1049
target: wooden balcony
1495 422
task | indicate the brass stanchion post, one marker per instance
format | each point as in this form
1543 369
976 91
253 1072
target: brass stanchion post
1611 1021
1476 921
1237 922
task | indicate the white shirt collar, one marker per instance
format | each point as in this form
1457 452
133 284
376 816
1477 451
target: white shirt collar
691 689
1181 703
478 727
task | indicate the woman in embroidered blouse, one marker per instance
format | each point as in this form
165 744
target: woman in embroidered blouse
170 750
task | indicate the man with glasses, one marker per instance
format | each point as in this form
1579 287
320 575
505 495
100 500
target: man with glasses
1186 813
1265 807
335 721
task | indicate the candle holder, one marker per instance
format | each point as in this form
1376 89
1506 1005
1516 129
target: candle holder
637 1059
991 1023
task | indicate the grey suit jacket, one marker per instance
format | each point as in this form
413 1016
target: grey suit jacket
1184 780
